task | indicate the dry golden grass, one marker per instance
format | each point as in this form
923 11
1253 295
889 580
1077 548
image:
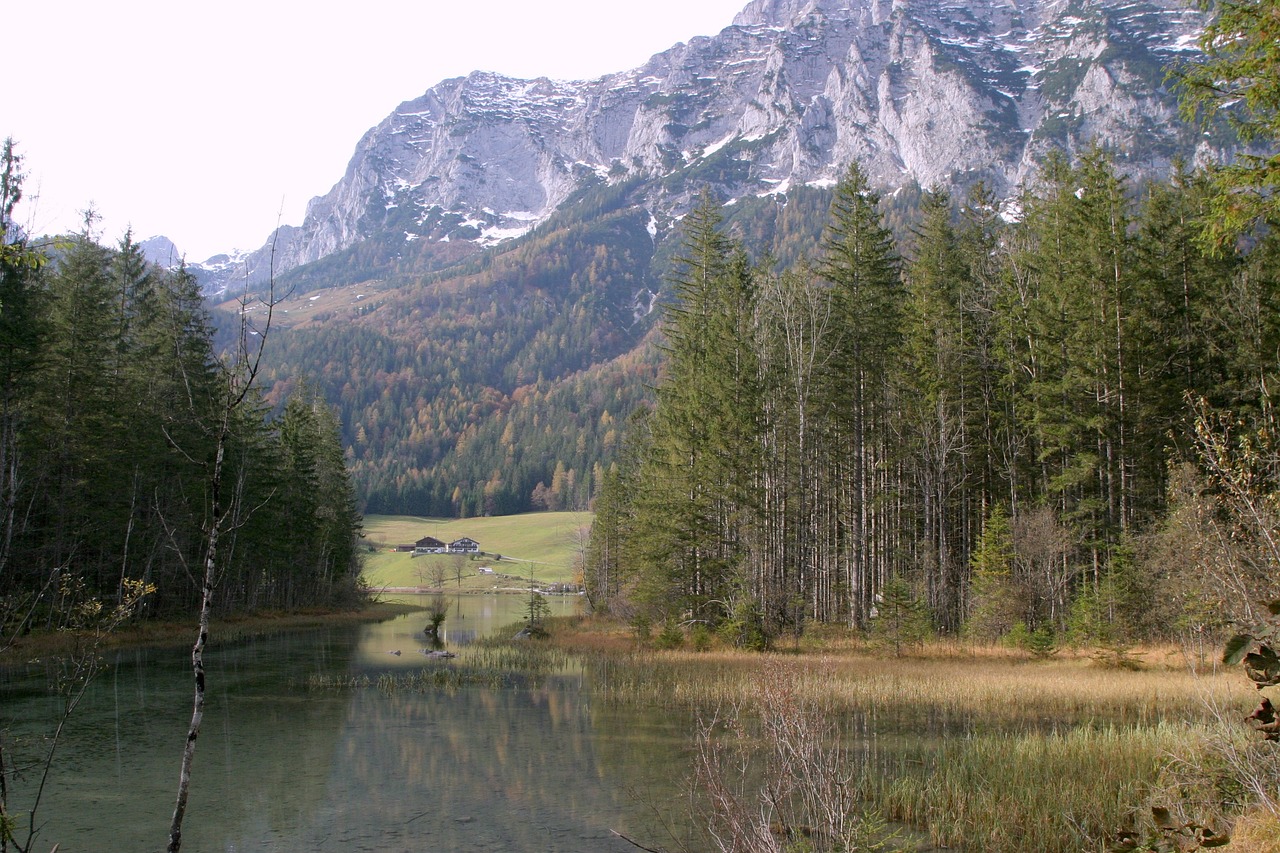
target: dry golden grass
996 685
1257 831
979 748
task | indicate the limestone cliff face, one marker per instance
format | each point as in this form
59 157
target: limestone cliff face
932 92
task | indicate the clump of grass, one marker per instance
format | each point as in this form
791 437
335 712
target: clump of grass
1060 792
326 681
440 679
1258 831
513 657
489 664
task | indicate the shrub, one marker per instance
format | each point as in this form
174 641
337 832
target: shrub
670 637
643 627
700 637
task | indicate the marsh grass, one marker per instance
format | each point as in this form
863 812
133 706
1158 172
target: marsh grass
1060 791
484 664
979 749
989 693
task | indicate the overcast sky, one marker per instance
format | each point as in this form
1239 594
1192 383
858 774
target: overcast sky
208 122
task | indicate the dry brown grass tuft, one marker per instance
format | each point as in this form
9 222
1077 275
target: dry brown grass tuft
1257 831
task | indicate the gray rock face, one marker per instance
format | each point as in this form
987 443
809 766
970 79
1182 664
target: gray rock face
161 251
935 92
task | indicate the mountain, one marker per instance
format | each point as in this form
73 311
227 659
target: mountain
160 251
919 92
476 294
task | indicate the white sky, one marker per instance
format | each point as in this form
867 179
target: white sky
209 122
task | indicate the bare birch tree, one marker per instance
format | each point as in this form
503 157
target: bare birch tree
238 375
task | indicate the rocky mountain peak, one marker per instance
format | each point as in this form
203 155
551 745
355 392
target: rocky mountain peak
927 92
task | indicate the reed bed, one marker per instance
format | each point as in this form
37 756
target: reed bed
325 681
990 693
984 753
1060 792
492 665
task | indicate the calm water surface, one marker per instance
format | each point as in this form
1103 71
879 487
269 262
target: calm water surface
280 767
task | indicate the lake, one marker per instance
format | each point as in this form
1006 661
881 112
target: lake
283 766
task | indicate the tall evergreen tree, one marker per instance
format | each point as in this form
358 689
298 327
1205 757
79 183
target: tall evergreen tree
939 392
859 262
694 497
1239 79
22 340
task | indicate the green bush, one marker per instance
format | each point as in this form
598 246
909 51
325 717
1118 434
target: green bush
1042 642
670 637
1017 637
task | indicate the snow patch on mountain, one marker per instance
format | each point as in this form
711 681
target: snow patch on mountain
917 91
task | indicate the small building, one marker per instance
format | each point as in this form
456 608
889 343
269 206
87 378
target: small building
429 545
404 548
465 545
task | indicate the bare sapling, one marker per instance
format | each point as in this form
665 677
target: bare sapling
238 375
785 783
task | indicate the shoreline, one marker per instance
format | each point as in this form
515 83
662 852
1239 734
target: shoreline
179 632
496 590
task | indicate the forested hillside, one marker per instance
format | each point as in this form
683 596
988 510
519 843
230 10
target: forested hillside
979 428
111 398
495 389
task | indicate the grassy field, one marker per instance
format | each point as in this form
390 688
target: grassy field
544 544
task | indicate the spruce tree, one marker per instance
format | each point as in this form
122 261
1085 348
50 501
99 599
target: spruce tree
937 378
693 492
859 262
996 603
901 618
1239 80
23 338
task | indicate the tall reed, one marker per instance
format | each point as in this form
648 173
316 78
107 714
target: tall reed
981 754
1061 792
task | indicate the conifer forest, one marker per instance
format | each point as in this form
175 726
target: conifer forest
128 435
1018 418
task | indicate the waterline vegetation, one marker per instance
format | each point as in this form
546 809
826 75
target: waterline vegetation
957 745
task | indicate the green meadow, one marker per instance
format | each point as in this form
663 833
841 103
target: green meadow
544 545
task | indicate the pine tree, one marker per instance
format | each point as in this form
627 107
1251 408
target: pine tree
1073 347
996 603
937 375
901 619
23 338
693 492
859 262
1180 346
77 442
